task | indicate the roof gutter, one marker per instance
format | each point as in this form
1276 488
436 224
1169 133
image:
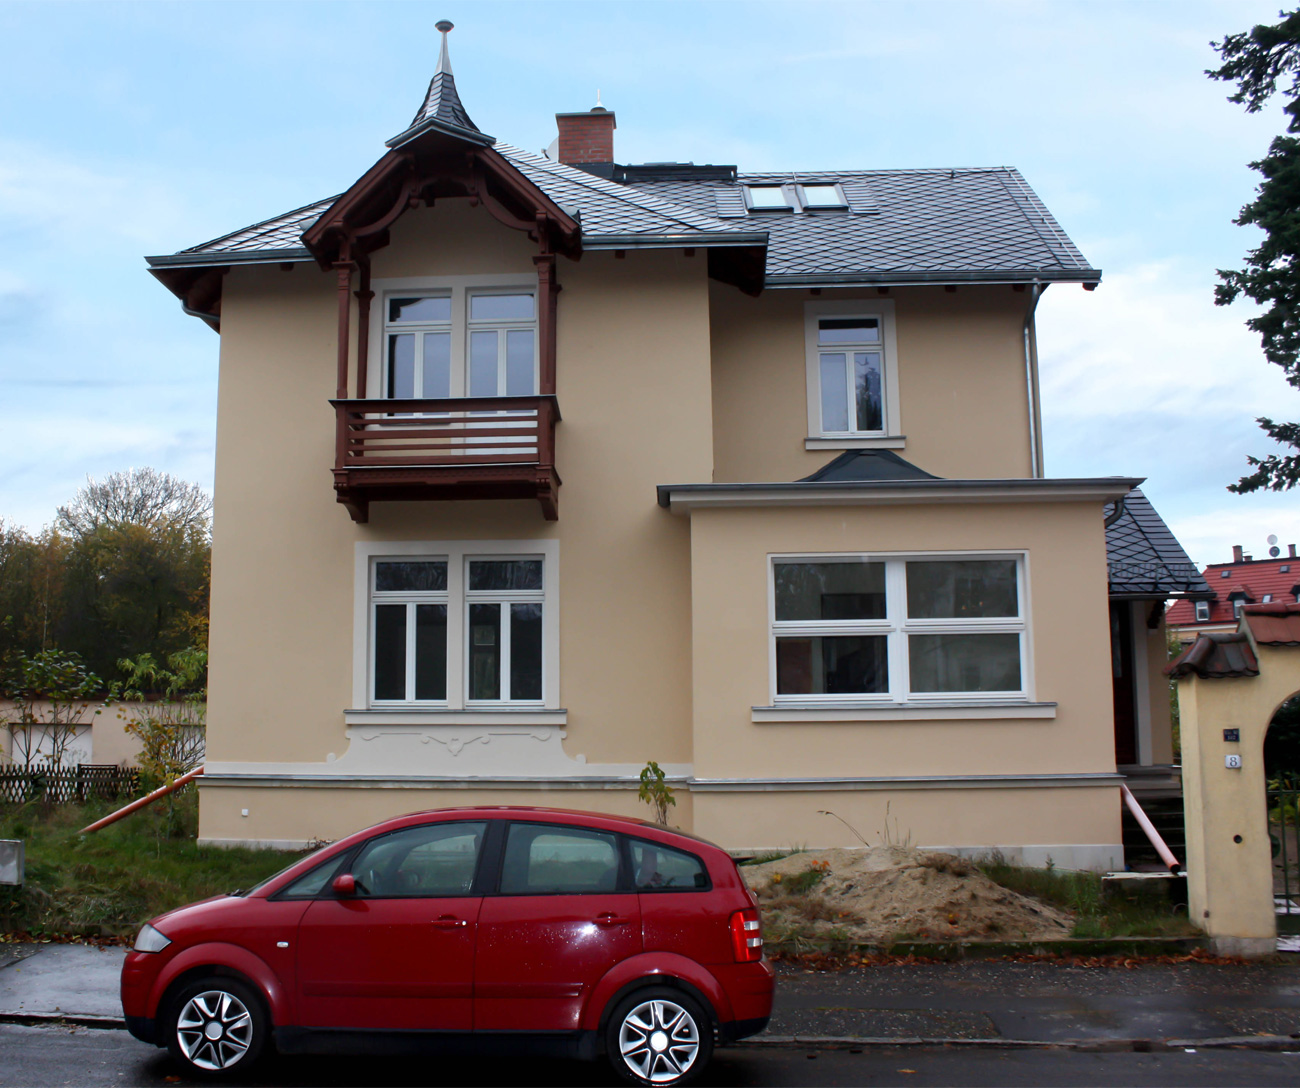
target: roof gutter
1089 277
702 240
211 320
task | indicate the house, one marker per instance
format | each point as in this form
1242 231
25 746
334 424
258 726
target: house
1232 586
532 468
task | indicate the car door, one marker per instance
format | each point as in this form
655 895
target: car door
563 914
399 953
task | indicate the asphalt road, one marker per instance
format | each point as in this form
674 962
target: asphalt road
50 1056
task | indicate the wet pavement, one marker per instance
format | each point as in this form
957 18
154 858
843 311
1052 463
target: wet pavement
985 1002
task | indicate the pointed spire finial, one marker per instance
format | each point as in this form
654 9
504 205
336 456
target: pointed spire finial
598 108
444 26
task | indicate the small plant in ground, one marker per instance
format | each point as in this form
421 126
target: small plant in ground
164 709
656 792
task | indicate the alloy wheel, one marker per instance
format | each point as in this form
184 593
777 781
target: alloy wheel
659 1040
214 1030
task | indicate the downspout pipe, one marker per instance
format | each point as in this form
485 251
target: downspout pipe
1031 381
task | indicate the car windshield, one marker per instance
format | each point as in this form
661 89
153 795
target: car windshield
317 853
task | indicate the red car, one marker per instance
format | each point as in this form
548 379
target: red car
467 930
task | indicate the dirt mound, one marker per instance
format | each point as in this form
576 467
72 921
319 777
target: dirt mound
888 893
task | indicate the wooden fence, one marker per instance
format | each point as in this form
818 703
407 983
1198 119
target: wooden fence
64 785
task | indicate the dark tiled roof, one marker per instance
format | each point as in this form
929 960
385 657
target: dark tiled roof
1216 657
900 224
1273 624
442 108
284 232
868 465
1249 581
1144 558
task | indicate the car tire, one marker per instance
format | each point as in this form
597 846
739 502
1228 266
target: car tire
659 1036
216 1026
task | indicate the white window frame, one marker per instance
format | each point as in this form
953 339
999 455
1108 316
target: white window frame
458 289
457 554
890 436
897 627
1202 611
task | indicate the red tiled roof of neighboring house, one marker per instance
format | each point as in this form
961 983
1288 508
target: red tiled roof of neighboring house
1250 580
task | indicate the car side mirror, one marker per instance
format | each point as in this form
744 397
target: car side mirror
344 884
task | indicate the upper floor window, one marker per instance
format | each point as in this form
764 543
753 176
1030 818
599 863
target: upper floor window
459 340
852 372
860 629
1202 611
767 197
822 196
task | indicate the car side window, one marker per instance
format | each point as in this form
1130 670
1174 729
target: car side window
542 859
425 861
659 868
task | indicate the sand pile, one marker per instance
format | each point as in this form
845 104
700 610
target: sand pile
888 893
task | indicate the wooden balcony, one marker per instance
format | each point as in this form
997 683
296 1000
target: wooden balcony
435 450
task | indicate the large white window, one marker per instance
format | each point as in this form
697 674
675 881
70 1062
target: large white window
472 337
854 628
460 625
852 371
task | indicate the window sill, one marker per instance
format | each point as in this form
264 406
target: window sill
848 442
888 712
495 716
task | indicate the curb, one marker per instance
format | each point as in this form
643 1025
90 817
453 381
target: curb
953 951
38 1019
1141 1046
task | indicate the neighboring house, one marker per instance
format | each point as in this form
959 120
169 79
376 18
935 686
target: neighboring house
758 495
1232 586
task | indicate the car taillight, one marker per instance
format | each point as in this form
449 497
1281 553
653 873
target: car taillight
746 937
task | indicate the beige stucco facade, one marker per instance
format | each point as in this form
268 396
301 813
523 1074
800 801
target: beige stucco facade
663 641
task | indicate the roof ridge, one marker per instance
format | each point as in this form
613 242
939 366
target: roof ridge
624 193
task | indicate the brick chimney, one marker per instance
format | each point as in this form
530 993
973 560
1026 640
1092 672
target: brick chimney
1236 553
586 137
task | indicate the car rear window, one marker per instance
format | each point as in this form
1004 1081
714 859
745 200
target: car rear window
659 868
543 859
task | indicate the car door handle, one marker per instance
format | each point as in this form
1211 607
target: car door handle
449 921
609 918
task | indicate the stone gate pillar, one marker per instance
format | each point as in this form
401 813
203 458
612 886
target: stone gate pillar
1228 688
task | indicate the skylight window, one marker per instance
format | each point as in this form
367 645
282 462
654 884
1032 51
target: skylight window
766 196
822 196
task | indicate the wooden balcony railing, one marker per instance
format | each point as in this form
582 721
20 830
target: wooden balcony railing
451 448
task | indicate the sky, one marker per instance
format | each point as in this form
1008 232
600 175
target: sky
134 129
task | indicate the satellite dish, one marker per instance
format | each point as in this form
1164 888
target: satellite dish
1272 538
1275 551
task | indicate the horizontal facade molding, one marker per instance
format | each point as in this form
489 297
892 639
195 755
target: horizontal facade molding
683 498
428 782
906 782
936 278
887 712
884 442
293 780
255 256
456 717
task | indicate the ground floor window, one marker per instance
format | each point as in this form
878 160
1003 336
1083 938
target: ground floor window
892 628
458 627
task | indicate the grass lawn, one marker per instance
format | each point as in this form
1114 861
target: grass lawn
121 876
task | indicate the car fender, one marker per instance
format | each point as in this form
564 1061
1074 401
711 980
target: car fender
225 957
650 967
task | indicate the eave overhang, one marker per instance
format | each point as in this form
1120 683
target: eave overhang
1088 277
434 125
682 499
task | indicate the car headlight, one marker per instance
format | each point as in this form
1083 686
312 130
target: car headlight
150 940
